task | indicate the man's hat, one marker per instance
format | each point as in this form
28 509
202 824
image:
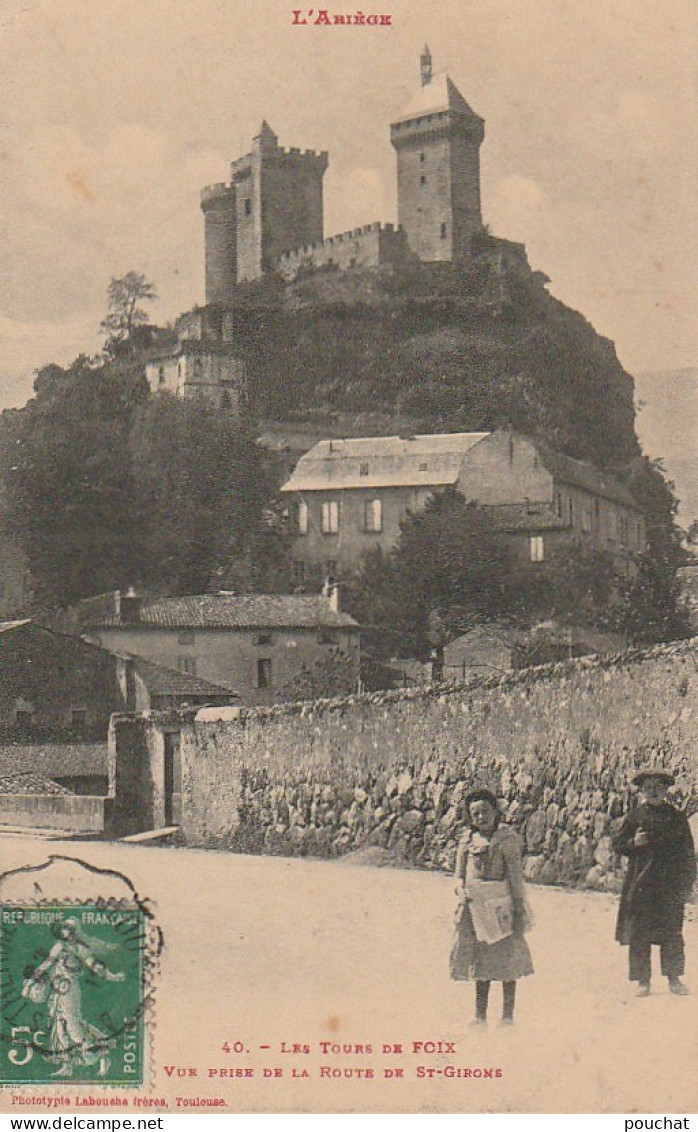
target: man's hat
659 772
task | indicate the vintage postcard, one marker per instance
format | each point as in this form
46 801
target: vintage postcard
349 669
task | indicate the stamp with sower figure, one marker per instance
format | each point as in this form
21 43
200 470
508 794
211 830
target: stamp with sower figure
72 993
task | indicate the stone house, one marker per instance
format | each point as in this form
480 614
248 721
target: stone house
259 645
348 496
198 370
58 692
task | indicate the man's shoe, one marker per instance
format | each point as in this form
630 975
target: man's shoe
642 991
677 987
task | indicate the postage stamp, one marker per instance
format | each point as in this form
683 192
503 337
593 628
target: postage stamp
72 993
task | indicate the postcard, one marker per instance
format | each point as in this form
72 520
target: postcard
290 821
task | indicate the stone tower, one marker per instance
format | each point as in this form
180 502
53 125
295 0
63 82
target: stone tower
272 205
218 204
437 139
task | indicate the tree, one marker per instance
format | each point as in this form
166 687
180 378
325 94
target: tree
125 315
71 499
202 486
448 571
651 608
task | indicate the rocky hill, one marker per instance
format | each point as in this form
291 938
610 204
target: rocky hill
436 347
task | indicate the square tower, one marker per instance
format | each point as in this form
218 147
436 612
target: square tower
437 139
278 203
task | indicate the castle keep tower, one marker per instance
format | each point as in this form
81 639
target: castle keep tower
272 205
438 139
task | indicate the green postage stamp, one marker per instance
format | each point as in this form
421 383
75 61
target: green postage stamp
72 994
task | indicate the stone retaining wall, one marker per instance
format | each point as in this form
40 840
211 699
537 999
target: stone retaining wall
559 745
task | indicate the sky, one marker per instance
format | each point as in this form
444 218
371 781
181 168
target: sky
116 112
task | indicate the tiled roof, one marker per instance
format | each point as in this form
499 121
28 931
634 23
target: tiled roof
162 681
236 611
384 461
29 783
439 96
53 759
586 476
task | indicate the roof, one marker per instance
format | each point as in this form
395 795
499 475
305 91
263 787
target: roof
235 611
440 96
29 783
384 461
585 476
54 759
163 681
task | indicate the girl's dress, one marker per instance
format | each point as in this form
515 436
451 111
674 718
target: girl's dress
489 858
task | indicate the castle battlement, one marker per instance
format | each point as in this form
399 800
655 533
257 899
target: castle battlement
353 234
221 190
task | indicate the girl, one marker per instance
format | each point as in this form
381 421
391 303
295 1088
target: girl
490 852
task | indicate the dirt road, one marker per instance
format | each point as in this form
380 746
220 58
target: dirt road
271 953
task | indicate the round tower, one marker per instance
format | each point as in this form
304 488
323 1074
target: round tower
218 206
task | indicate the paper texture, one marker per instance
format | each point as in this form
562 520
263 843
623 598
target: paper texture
294 984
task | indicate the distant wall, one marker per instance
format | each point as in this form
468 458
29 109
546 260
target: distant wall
73 813
559 744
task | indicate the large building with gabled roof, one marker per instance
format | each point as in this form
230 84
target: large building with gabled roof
349 496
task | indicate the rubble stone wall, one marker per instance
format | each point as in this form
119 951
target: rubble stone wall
558 744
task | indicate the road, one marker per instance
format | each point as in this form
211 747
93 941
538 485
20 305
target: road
271 952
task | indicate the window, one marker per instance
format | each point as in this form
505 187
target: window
298 572
248 207
363 469
24 720
161 375
330 517
587 519
373 515
423 467
185 637
421 158
443 231
78 720
326 638
264 672
558 505
264 639
331 568
302 518
536 550
187 664
422 180
226 402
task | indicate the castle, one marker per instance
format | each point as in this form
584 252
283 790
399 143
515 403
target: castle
269 216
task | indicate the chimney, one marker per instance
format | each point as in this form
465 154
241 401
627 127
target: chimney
130 606
333 597
425 66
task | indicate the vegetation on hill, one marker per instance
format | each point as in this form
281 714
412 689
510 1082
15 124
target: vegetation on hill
449 348
105 486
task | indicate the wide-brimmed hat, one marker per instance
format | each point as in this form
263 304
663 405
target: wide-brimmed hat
659 772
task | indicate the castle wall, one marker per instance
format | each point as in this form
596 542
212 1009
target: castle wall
292 204
465 192
248 211
424 193
375 245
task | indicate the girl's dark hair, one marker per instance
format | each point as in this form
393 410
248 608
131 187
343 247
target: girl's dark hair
482 795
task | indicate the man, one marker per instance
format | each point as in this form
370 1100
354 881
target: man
657 840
